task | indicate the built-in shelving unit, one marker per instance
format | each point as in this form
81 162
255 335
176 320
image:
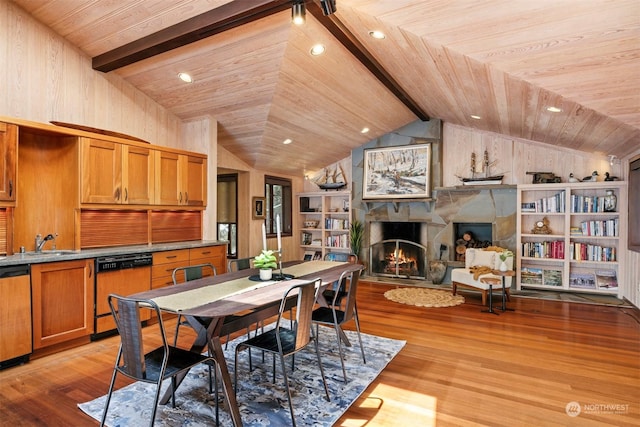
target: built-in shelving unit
569 239
324 220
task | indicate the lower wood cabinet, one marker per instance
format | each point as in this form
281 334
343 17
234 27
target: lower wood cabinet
15 317
216 255
62 301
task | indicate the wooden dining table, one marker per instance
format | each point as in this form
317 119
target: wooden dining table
205 303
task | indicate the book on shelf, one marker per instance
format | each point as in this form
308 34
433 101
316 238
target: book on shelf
306 238
575 231
582 280
308 255
317 256
606 278
552 277
531 276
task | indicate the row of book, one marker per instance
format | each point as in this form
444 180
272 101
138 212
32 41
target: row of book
601 228
336 224
586 204
588 252
599 279
548 249
337 241
553 204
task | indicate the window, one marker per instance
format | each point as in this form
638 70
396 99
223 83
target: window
279 201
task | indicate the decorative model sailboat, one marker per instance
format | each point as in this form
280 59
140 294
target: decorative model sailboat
332 179
483 177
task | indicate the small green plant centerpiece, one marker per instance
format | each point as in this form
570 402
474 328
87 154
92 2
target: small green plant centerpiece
266 262
503 257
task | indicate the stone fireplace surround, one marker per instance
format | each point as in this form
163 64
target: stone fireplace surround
472 204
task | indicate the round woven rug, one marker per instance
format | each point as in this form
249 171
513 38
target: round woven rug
424 297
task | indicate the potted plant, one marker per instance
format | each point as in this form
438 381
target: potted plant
266 262
503 257
356 233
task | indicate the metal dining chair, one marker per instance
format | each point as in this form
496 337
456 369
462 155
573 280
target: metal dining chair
237 264
341 310
161 363
186 274
283 342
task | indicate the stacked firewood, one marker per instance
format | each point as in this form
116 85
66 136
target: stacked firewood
468 240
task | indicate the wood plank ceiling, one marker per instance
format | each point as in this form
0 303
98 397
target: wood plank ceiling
505 61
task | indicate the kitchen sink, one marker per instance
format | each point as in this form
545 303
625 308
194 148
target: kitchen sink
52 253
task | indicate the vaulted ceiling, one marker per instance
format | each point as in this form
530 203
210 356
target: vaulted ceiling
503 60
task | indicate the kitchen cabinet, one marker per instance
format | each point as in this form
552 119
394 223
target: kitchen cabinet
180 179
63 298
216 255
163 265
8 155
115 173
15 314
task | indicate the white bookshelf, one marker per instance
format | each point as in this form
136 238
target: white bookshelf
331 210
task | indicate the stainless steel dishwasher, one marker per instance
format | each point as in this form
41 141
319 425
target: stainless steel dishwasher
15 315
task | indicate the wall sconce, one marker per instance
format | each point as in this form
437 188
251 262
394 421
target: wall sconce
298 12
328 6
612 158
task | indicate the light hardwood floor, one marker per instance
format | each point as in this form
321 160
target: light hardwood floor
460 367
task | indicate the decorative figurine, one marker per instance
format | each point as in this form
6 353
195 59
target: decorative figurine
544 177
573 178
592 178
541 227
610 201
608 177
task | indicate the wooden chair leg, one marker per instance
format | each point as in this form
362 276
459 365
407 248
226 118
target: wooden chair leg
484 297
508 295
454 288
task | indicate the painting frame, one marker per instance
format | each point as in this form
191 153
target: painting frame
399 172
258 208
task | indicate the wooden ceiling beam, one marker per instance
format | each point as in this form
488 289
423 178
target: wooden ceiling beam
226 17
357 49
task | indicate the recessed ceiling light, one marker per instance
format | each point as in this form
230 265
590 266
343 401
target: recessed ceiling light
554 109
473 116
317 49
364 130
185 77
287 141
377 34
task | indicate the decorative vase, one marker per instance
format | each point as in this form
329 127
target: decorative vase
266 274
503 266
610 201
437 271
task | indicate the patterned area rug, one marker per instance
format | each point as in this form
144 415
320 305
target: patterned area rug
424 297
261 402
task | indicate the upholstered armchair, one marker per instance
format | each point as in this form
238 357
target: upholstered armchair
478 264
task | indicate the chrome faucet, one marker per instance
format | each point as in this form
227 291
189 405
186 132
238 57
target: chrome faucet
40 242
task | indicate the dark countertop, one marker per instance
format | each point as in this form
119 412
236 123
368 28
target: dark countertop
67 255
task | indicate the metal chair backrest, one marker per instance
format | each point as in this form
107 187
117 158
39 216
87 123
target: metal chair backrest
192 272
307 294
239 264
348 284
126 312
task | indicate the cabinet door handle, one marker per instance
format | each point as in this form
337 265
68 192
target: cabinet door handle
205 252
90 271
172 256
126 194
180 199
118 193
186 197
10 188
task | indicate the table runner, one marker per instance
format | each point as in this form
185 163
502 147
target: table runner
189 299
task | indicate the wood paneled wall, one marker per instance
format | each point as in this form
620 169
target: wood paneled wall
48 79
515 157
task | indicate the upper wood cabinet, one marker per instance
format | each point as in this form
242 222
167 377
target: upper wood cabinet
116 173
8 154
180 179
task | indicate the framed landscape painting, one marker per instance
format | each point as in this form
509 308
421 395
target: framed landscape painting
397 172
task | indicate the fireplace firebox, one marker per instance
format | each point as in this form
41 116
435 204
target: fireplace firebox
398 249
